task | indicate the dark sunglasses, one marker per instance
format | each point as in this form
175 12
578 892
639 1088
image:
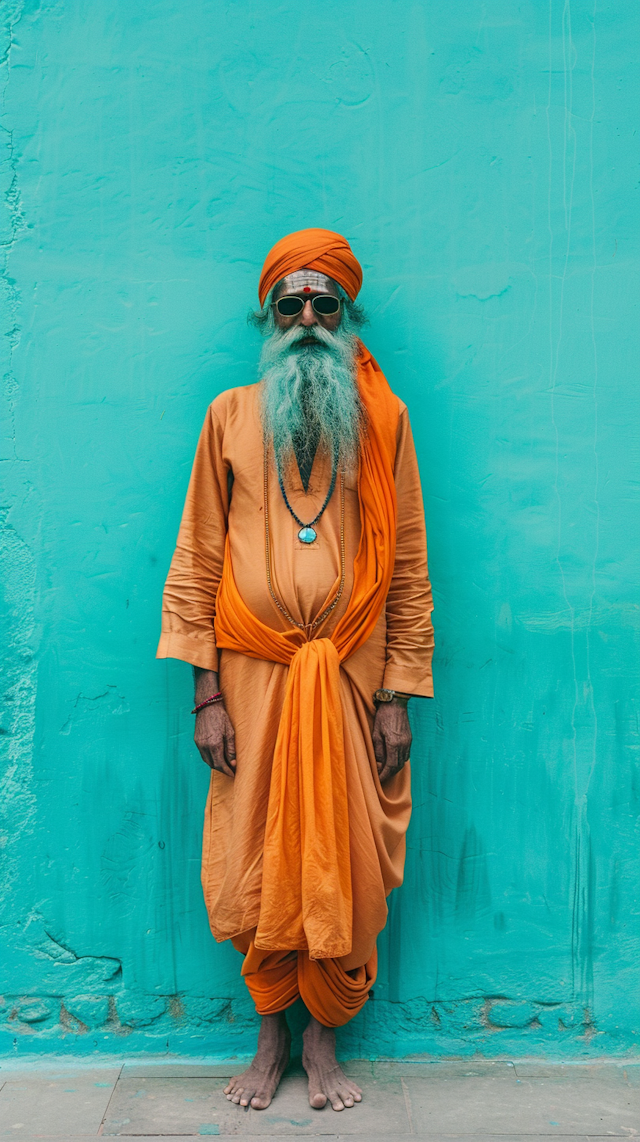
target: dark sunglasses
323 304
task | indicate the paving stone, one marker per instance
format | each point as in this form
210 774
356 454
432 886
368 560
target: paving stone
192 1106
452 1101
44 1074
219 1137
185 1070
337 1137
495 1105
455 1068
61 1106
573 1072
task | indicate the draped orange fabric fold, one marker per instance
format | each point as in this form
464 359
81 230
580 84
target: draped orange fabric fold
306 898
332 995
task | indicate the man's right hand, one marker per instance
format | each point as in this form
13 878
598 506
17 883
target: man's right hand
215 739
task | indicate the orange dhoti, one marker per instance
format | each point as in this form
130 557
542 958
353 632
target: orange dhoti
330 993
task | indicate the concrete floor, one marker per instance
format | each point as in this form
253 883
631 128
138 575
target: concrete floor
505 1101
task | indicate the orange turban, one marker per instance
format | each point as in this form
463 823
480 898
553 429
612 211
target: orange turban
320 250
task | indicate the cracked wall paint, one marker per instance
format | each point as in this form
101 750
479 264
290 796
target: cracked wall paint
481 161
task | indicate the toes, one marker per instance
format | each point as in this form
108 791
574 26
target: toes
347 1093
336 1098
318 1100
351 1091
260 1102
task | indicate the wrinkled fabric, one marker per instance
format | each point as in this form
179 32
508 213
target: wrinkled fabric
306 900
330 993
226 498
322 250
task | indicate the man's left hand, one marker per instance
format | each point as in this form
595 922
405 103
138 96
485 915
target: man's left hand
391 738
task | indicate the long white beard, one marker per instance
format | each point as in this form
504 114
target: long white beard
309 392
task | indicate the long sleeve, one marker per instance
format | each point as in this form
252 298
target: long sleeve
188 602
409 602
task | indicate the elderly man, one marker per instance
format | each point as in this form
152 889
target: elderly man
299 592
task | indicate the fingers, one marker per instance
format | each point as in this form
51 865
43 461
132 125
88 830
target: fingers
397 756
215 739
230 745
391 740
379 750
389 759
223 766
402 754
213 755
388 772
217 760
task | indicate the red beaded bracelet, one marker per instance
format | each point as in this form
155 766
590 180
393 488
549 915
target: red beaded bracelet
208 702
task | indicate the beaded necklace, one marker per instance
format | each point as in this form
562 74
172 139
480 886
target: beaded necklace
307 533
308 627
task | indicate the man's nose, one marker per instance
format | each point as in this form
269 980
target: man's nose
308 316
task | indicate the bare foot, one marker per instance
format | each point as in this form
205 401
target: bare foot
327 1081
258 1084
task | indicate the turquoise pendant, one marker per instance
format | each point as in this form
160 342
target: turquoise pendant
307 535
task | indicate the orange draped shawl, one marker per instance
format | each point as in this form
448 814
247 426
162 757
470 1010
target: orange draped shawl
306 897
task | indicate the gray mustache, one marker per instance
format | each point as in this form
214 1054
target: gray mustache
301 333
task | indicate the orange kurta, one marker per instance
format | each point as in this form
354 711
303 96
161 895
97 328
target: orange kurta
226 496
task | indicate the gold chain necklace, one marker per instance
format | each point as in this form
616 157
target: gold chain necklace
309 627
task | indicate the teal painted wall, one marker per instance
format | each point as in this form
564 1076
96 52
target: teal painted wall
482 160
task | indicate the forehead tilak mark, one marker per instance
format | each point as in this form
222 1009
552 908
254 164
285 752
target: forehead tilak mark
306 281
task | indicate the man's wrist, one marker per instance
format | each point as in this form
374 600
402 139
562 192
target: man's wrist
206 684
384 696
